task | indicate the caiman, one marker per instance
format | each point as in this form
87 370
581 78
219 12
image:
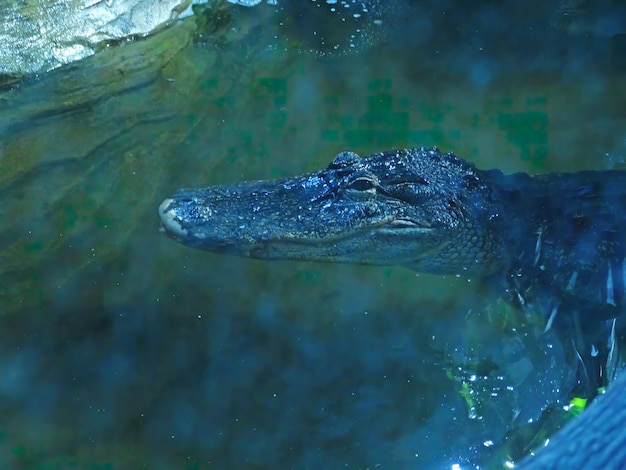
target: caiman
554 242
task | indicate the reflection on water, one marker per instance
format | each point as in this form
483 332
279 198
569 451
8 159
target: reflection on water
119 346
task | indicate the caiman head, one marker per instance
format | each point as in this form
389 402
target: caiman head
429 211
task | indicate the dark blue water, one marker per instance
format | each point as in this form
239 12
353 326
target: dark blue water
120 348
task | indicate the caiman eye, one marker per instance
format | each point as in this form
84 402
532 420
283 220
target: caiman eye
362 184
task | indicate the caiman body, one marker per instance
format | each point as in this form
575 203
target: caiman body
555 239
553 242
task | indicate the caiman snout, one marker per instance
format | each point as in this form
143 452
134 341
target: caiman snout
168 219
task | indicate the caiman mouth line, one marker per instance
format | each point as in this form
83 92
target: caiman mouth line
174 228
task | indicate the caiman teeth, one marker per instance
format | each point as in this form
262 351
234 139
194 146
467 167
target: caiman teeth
404 223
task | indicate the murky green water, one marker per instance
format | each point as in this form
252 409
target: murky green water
122 348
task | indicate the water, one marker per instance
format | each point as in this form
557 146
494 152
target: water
121 347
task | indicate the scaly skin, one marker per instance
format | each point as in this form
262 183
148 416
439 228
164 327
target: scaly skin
555 239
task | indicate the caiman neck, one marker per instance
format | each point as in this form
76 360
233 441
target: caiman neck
507 218
491 227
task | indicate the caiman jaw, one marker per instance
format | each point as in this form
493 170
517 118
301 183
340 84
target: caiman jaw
288 246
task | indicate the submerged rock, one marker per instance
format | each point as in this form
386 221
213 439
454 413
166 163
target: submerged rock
39 36
104 125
